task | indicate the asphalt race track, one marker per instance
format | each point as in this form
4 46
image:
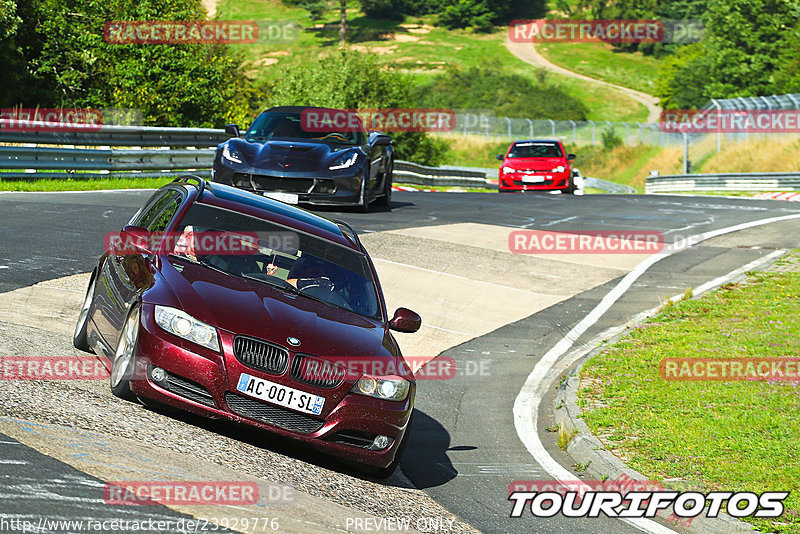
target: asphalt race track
464 449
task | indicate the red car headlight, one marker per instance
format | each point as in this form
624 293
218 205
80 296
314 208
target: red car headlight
392 388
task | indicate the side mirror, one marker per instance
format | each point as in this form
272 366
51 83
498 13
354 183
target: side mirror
571 156
134 240
405 320
382 140
232 130
501 157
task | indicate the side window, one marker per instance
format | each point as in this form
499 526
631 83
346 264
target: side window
162 212
146 210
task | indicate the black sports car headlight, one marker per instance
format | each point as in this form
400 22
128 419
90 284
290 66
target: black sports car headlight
231 154
344 162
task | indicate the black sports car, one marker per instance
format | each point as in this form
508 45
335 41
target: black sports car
329 162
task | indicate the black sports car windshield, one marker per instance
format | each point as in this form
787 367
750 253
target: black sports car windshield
535 150
288 126
259 250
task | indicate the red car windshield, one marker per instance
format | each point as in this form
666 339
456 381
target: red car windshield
535 150
259 250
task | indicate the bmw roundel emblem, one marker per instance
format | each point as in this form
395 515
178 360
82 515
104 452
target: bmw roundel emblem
293 341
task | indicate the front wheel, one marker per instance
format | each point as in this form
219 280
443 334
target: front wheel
123 365
386 199
79 338
363 201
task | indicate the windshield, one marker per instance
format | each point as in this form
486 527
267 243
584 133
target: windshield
287 126
279 256
535 150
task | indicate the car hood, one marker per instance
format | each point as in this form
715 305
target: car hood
290 156
539 164
256 309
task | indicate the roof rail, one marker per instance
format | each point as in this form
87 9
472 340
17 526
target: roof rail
200 185
349 232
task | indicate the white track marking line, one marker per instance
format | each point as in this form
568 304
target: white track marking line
526 405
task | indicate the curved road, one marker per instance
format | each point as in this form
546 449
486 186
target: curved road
527 53
464 450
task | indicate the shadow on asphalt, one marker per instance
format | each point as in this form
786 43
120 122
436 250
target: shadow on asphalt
427 460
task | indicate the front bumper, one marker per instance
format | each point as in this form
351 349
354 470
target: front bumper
205 384
337 190
552 181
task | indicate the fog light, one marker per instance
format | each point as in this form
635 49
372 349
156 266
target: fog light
158 374
380 442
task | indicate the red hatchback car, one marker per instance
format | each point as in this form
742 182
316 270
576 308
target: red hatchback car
536 165
259 313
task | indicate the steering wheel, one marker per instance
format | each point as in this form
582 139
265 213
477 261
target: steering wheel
320 282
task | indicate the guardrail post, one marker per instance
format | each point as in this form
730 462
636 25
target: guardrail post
530 126
574 133
553 125
594 132
685 153
508 121
641 132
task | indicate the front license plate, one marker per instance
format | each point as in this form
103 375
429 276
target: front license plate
533 179
286 198
280 394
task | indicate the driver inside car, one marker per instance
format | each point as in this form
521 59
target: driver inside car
309 272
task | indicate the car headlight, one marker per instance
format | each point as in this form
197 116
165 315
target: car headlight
560 168
508 170
183 325
231 154
386 387
348 160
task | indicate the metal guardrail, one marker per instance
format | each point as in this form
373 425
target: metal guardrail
609 187
178 150
406 172
764 181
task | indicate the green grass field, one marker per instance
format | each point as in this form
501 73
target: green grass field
739 436
602 61
415 46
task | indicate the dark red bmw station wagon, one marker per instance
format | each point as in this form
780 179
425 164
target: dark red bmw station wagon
248 309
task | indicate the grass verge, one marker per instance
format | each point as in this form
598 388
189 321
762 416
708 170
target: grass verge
84 185
735 436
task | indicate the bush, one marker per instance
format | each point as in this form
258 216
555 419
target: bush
351 80
509 95
610 139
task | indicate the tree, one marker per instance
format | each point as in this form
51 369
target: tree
62 60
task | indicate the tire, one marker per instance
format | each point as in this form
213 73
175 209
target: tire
386 199
79 339
124 357
570 186
363 202
386 472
